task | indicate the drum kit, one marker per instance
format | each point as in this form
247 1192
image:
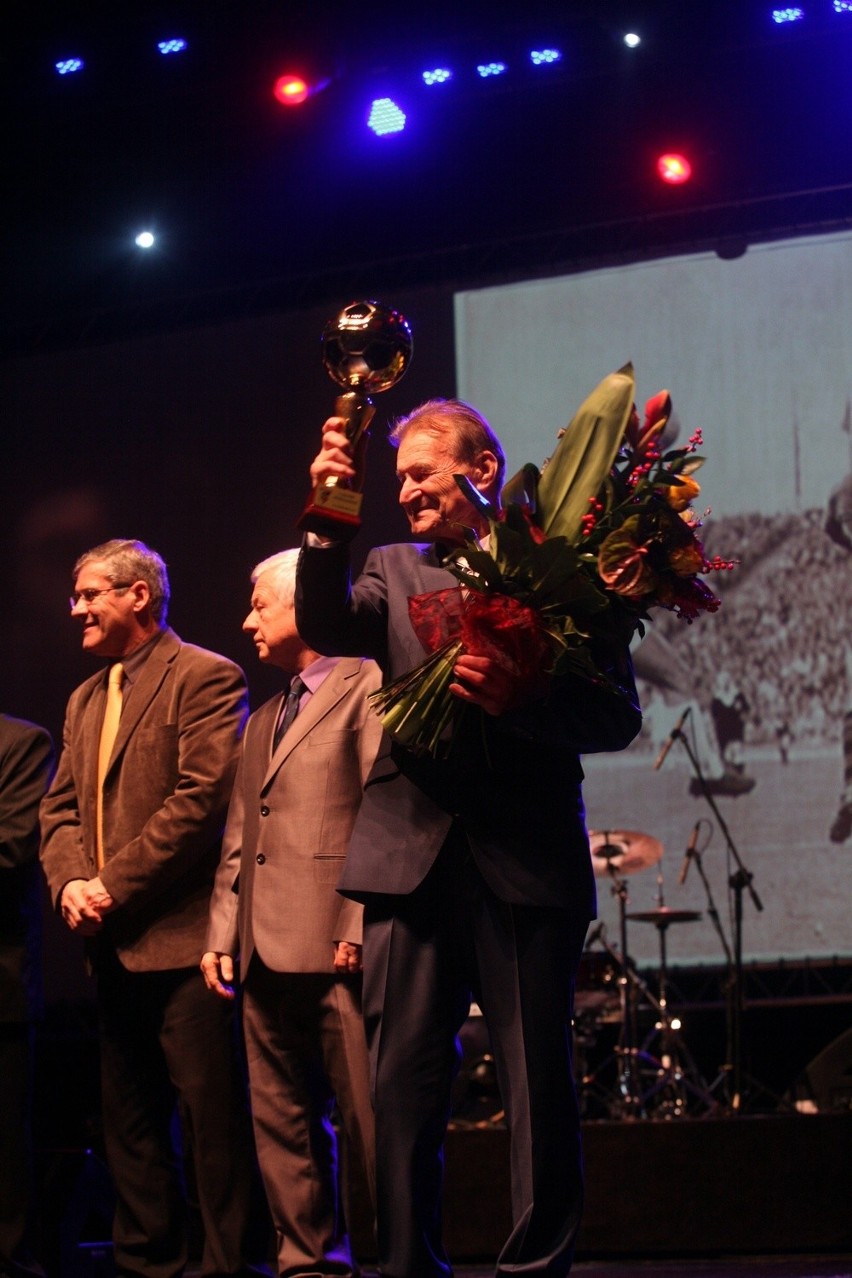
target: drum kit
642 1076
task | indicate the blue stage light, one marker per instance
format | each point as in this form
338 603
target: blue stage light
171 46
385 117
843 6
440 75
787 15
632 40
145 240
543 57
69 65
486 69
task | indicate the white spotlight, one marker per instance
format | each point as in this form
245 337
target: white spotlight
145 240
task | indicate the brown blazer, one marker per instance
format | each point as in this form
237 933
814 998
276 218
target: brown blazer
288 828
165 799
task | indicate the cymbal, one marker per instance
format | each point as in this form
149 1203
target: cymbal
623 851
664 916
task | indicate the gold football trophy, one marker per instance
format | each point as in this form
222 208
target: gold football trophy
366 349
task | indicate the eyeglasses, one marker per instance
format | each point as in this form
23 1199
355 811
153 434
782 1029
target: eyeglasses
89 595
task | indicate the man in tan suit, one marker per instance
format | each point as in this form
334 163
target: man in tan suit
298 787
131 834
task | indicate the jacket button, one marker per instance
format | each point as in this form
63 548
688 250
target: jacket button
264 811
261 859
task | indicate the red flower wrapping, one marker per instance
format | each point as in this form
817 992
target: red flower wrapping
493 625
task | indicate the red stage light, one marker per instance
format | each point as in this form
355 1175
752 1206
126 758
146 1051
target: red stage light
291 90
674 169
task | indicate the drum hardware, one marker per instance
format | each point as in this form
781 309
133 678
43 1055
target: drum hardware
616 854
677 1078
620 1096
660 1083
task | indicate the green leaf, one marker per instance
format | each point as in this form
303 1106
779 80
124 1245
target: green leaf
584 455
522 488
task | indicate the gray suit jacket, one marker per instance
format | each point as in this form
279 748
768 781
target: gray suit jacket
165 798
289 823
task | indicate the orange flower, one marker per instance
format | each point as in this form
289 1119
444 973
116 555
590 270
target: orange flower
679 496
687 560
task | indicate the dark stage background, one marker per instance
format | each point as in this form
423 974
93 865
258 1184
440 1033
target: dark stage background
179 397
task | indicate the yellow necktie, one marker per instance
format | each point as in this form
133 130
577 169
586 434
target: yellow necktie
109 730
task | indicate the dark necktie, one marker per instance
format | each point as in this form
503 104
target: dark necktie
291 709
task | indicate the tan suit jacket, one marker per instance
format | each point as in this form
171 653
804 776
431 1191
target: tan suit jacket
288 828
165 799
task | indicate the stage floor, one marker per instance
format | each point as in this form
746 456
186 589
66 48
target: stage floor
723 1267
763 1266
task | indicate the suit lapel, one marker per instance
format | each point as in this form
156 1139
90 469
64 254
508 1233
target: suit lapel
331 690
145 688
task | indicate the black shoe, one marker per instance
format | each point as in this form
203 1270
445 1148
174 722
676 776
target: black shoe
841 826
732 783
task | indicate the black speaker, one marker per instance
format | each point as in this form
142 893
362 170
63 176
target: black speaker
827 1081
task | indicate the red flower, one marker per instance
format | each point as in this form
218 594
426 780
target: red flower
657 413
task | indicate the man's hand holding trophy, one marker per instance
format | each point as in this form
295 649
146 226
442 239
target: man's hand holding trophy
366 349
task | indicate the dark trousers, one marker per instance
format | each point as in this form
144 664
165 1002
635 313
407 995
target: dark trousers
306 1051
165 1039
424 955
16 1148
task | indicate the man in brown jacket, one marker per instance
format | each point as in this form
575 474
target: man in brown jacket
131 833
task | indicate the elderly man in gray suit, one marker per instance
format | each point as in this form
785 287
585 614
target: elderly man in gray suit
304 760
131 833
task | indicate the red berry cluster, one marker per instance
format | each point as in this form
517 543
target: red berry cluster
718 564
588 521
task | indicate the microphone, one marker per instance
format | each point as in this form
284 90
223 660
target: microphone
689 853
671 738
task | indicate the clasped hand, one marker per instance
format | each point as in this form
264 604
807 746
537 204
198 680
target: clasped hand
84 903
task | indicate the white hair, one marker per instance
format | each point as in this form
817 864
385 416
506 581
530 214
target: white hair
281 568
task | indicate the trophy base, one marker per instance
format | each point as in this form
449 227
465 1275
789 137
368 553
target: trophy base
333 512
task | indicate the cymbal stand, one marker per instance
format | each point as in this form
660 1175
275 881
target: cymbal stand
628 1102
739 882
677 1077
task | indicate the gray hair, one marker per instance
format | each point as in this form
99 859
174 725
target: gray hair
126 560
282 570
466 428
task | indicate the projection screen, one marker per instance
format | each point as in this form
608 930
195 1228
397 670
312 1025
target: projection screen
755 351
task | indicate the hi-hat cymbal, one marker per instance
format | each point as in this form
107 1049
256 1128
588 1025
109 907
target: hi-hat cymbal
663 916
623 851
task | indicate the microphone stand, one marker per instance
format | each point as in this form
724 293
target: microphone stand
739 882
697 856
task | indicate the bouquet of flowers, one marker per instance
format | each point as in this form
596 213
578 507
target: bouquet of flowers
581 548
